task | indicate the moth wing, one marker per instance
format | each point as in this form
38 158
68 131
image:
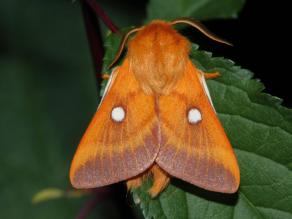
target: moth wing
198 152
112 151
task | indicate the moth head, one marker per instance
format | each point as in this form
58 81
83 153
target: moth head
196 24
158 54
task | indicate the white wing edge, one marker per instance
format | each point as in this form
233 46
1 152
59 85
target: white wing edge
204 84
109 84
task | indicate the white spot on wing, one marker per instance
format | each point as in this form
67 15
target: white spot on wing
118 114
194 116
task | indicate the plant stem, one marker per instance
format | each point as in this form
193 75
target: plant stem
94 39
98 195
102 15
91 10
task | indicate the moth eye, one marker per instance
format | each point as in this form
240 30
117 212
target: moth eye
194 116
118 114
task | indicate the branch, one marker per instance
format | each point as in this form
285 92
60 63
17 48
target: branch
102 15
98 195
91 10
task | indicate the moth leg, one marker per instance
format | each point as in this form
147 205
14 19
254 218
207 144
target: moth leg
134 183
160 181
211 75
105 76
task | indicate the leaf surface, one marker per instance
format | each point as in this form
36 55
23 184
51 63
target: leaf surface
198 9
260 130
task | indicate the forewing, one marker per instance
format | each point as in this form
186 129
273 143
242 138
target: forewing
112 151
197 152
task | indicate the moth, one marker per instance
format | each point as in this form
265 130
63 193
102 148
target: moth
156 119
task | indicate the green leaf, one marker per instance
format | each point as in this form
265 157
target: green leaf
260 130
55 193
47 194
198 9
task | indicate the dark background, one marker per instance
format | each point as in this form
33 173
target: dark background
262 43
48 92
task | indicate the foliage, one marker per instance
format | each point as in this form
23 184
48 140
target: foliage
260 130
199 9
48 96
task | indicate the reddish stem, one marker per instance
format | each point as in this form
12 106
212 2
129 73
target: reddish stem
102 15
89 205
94 39
98 195
91 10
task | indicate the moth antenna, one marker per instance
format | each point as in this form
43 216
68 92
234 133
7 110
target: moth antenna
122 45
198 25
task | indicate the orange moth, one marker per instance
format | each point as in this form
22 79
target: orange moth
156 119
